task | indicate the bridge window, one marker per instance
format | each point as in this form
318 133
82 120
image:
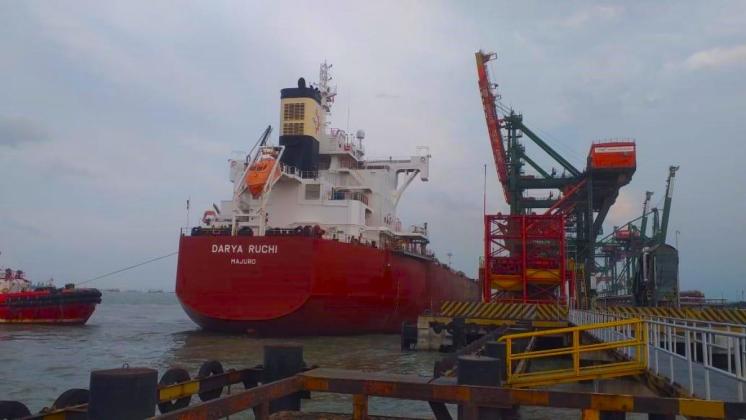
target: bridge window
313 191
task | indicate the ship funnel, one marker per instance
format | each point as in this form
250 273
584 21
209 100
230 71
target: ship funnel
301 126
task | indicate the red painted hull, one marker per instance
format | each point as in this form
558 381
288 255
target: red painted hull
48 306
281 286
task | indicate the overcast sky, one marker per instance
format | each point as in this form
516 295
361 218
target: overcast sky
112 114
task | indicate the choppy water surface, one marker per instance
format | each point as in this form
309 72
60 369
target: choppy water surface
37 363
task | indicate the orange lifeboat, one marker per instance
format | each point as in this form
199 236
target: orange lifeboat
260 172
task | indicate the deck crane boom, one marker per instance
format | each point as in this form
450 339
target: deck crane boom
486 89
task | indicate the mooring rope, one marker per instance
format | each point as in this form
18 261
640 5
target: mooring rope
129 267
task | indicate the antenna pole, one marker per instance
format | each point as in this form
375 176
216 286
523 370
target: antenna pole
187 213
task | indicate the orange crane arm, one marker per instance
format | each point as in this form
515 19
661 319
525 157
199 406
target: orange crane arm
493 120
563 205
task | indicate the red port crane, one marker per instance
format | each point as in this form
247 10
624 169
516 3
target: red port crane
528 265
486 89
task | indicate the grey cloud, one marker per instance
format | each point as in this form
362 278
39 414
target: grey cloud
385 95
595 13
717 57
17 131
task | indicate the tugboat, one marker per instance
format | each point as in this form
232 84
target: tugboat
21 302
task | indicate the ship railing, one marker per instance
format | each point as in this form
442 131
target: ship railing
293 171
708 361
696 301
306 230
352 165
347 141
349 195
422 230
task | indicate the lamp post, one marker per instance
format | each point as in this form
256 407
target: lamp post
677 239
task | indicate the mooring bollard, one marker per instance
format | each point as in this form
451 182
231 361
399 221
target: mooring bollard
283 361
482 371
458 332
408 337
496 350
661 417
123 394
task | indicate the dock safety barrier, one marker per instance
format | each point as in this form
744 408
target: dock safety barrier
263 399
509 311
628 336
362 385
707 361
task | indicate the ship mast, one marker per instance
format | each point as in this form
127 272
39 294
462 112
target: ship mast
327 92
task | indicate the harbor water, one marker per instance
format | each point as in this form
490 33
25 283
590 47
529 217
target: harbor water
151 330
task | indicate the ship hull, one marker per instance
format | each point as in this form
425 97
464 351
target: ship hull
49 306
294 285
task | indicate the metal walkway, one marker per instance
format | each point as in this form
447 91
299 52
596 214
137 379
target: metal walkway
632 343
705 359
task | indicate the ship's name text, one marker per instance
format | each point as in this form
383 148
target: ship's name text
240 249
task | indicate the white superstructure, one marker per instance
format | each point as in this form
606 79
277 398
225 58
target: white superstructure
349 198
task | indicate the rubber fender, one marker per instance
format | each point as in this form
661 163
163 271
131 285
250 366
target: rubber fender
71 397
210 368
170 377
13 410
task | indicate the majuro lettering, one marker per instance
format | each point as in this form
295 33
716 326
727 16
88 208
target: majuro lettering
249 249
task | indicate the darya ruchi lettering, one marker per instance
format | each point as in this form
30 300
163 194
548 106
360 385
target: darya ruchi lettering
248 249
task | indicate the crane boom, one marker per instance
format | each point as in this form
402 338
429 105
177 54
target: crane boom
493 120
644 223
667 203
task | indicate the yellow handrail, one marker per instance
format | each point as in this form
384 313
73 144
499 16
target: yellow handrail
632 335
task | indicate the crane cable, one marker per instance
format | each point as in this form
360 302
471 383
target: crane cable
129 267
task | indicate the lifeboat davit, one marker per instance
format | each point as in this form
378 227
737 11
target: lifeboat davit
261 172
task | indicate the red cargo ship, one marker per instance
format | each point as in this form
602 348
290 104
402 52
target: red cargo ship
22 303
310 243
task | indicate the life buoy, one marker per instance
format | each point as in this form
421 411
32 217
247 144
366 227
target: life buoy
209 216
